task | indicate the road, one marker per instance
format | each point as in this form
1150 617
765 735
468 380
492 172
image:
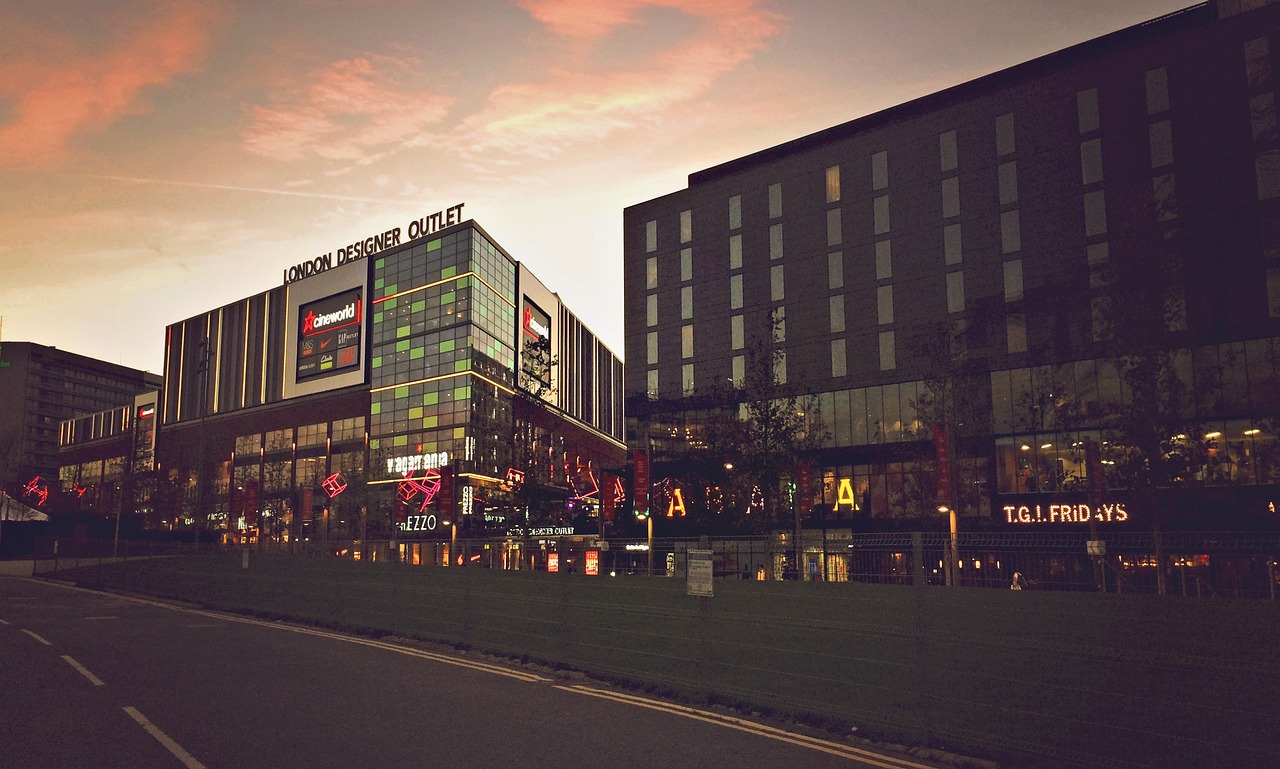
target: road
90 679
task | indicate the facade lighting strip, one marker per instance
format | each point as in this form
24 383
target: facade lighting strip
437 378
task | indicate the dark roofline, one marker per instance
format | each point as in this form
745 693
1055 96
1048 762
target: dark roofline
1187 18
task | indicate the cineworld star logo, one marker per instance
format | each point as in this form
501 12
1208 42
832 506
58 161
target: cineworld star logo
314 324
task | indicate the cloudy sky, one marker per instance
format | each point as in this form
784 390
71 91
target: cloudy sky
159 158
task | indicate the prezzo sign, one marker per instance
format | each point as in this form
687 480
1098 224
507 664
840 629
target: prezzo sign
1112 512
374 244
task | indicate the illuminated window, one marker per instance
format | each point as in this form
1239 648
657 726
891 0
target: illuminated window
1095 213
1010 232
888 355
836 303
955 291
686 302
1160 136
651 272
686 378
651 383
1091 161
1157 90
880 170
651 236
1013 281
736 336
947 151
950 197
735 212
833 184
880 214
951 244
884 305
651 310
1004 135
778 317
1164 194
838 365
884 260
686 226
1007 174
1257 62
313 435
780 366
1016 333
776 292
686 341
652 339
775 241
735 292
686 264
735 252
1087 110
775 201
739 365
835 270
833 227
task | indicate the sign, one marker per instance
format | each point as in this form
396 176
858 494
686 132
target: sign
640 482
553 562
334 485
1113 512
374 244
676 507
701 570
419 523
329 335
942 448
593 563
541 531
535 322
415 462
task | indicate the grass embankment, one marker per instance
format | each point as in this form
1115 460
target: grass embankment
1051 679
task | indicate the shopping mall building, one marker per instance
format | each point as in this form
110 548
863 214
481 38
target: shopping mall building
974 288
419 384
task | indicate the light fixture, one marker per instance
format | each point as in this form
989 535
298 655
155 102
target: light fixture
1212 435
1046 446
1252 431
1025 447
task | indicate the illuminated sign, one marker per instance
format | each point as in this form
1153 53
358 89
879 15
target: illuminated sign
329 335
514 478
676 506
147 411
537 323
1065 513
374 244
553 562
593 563
334 485
427 485
415 462
419 523
37 490
582 481
541 531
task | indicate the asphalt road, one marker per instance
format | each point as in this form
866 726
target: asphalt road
96 680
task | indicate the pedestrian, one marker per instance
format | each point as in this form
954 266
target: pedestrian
1017 581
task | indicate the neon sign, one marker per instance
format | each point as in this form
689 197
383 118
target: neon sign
334 485
593 563
427 485
37 490
416 462
676 506
514 478
1065 513
419 523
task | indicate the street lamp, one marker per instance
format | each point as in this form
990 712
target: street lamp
955 548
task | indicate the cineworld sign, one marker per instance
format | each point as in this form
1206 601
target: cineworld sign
1114 512
374 244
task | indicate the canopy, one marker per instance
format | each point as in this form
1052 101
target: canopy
13 510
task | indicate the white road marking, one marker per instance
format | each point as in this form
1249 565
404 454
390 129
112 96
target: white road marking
104 617
84 671
38 638
2 622
186 758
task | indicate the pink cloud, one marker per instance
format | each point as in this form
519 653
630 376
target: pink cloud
351 111
58 91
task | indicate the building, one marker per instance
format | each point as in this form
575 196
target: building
40 387
1046 298
413 385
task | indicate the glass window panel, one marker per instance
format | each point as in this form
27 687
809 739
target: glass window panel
735 252
947 151
775 241
1016 333
951 244
1257 62
651 272
1013 280
884 260
1004 135
775 201
1164 194
835 270
735 212
880 170
736 333
686 378
1087 110
955 291
686 341
686 226
1157 90
834 235
880 214
1160 136
651 236
686 302
1267 167
652 340
837 313
842 419
950 197
858 416
735 292
686 264
739 366
780 366
833 184
1007 174
1091 161
888 353
776 287
651 310
884 305
1095 213
837 358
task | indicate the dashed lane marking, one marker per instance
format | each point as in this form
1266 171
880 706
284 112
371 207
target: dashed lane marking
83 671
173 747
38 638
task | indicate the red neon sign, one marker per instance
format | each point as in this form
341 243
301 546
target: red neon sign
334 485
427 485
37 490
553 562
593 563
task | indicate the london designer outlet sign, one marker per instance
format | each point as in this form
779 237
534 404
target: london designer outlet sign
374 244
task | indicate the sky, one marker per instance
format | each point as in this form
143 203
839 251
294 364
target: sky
160 158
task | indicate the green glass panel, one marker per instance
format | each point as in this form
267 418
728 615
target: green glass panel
377 361
380 263
378 283
377 317
375 408
402 332
448 296
415 412
448 272
434 245
430 422
431 398
461 393
402 392
400 440
446 345
418 306
416 353
402 345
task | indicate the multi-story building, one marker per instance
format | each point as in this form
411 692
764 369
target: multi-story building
976 288
411 384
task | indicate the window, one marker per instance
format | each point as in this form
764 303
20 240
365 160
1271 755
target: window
652 339
1164 194
1008 182
884 305
951 245
686 226
651 236
735 252
1160 136
836 303
1095 213
686 378
776 290
651 310
779 322
838 365
686 341
686 302
955 291
880 214
651 272
1273 292
947 151
1010 232
880 170
833 227
1098 254
1004 135
651 383
736 336
1267 166
950 197
775 201
1091 161
1262 112
1175 309
775 241
739 366
833 184
735 292
1257 63
835 270
888 356
1157 91
1016 333
1087 110
686 264
735 212
1013 281
884 260
780 366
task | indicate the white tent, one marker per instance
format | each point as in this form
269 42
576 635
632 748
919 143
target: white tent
13 510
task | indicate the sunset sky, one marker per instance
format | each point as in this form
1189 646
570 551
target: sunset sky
159 158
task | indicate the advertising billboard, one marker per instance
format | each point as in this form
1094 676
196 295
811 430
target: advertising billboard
329 335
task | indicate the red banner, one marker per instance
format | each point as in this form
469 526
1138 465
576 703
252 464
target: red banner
640 482
941 444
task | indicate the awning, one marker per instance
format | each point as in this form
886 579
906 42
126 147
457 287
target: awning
13 510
